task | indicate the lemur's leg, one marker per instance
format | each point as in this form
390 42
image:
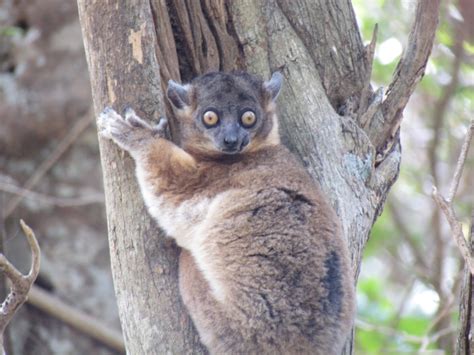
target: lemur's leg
130 133
205 310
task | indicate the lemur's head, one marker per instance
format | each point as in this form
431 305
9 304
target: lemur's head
224 114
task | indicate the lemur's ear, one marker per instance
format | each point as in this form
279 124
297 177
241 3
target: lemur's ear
178 94
273 85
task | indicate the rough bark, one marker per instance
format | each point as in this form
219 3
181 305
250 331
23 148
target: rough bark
330 117
465 340
120 49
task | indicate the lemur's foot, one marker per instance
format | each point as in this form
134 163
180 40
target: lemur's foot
131 132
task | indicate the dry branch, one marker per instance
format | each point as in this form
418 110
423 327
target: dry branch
461 162
367 91
421 264
446 205
52 200
20 284
62 147
76 319
465 340
442 104
456 228
409 71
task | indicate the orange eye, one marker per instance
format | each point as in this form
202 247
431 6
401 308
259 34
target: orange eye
210 118
248 119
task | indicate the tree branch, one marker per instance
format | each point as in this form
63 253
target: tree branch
76 319
62 147
95 198
408 73
419 255
461 162
465 340
442 104
20 284
446 205
367 88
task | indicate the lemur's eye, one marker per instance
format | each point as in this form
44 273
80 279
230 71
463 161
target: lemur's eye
210 118
248 119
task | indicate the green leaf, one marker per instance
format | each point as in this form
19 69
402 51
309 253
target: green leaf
11 31
468 47
414 325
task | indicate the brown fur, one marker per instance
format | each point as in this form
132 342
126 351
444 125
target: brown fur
266 270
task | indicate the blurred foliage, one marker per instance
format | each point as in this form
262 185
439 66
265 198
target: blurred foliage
408 289
11 31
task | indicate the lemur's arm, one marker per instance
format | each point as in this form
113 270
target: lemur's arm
162 168
143 141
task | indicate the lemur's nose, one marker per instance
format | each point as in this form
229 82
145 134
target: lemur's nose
230 141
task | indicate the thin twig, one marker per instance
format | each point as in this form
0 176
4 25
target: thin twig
456 228
441 105
399 312
443 312
75 318
369 56
461 162
446 206
62 147
377 99
53 200
403 227
424 340
439 115
20 284
361 324
433 338
465 340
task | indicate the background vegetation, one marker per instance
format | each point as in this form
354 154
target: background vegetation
408 291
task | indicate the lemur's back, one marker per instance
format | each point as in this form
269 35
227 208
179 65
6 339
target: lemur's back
264 267
270 271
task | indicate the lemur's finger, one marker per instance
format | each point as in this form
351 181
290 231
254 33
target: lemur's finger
128 110
161 126
109 112
134 120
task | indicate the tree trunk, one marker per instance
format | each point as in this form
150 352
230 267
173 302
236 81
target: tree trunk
465 340
345 134
120 46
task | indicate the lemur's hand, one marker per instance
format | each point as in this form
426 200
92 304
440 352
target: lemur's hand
130 133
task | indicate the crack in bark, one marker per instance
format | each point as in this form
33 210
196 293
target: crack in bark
184 51
343 74
241 60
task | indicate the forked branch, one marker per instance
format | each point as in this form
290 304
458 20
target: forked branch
20 284
409 71
446 205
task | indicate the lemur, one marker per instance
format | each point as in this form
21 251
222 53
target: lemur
264 268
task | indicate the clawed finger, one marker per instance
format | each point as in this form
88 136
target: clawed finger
132 118
161 126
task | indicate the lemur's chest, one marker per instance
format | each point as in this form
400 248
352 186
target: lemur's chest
181 220
178 219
